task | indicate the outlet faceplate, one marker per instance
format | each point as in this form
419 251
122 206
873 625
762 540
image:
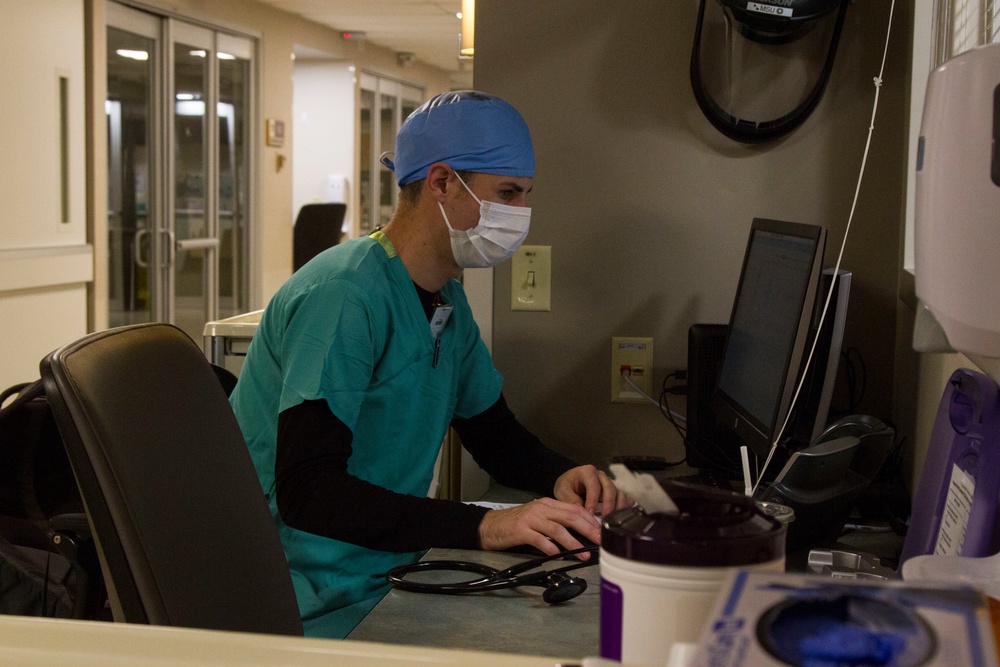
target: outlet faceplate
637 354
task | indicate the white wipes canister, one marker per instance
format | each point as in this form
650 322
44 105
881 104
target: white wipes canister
660 574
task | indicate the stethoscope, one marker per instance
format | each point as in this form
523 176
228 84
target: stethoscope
559 586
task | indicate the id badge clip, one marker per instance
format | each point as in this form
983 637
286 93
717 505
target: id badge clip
438 321
440 318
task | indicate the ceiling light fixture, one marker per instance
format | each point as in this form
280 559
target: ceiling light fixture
133 54
468 28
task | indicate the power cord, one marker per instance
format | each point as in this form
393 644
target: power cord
850 218
672 417
669 414
665 407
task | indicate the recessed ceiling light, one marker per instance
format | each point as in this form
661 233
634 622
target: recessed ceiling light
133 54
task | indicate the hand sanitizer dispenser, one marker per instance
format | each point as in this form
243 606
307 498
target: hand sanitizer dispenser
957 225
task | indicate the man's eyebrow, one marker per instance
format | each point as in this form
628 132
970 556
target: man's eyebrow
514 186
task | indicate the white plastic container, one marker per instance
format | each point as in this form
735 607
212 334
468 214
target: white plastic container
660 575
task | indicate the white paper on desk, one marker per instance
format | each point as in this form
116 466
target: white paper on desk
493 506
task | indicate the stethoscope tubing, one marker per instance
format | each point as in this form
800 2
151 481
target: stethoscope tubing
491 577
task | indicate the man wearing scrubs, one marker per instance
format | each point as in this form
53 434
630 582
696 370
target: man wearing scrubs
369 352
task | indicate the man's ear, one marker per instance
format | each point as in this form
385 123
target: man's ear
440 178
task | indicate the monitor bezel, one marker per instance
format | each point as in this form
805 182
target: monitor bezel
757 435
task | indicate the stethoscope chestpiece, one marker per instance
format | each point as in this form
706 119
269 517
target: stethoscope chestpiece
562 587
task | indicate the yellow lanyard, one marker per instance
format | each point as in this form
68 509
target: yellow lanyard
384 241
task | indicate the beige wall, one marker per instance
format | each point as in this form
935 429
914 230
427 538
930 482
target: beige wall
647 207
45 262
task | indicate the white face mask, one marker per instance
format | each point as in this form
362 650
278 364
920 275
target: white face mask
495 238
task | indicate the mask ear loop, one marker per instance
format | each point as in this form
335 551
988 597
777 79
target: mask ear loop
468 189
441 206
479 201
444 215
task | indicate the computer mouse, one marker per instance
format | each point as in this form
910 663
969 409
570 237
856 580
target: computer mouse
530 550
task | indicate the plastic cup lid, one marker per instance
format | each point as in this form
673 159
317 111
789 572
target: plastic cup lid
714 528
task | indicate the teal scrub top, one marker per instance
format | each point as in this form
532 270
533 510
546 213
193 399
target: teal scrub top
349 328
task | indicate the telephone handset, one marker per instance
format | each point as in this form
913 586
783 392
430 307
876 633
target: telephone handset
876 441
822 482
856 425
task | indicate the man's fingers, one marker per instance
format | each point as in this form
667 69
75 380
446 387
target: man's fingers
546 524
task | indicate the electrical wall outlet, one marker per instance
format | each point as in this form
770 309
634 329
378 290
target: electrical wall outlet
633 356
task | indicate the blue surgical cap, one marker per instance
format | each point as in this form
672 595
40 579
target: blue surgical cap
468 130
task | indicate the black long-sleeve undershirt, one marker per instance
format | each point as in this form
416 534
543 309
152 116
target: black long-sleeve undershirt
316 494
512 454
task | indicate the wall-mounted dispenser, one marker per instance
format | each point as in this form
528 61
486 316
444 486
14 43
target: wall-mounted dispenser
957 214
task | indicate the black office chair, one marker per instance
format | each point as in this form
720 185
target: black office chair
182 527
317 227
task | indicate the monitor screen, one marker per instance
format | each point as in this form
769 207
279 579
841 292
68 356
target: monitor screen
768 329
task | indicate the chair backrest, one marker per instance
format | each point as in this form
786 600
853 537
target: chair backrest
182 527
317 227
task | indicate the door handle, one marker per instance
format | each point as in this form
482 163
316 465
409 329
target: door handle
197 244
137 247
169 247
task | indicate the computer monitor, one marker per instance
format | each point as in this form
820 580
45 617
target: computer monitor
769 330
710 445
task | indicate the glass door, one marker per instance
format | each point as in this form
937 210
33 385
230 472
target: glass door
367 162
133 67
388 122
384 106
179 163
193 242
235 59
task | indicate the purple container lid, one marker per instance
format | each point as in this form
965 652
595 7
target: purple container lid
715 528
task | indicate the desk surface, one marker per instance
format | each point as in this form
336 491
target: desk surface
44 642
509 620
